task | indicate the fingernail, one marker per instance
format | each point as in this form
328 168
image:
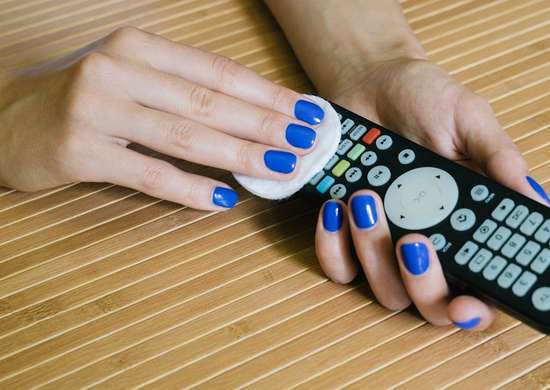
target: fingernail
300 136
538 188
468 324
363 208
224 197
415 257
279 161
308 112
332 216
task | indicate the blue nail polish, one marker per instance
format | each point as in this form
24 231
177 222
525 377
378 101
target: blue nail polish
279 161
415 257
538 188
308 112
468 324
332 216
363 208
300 136
224 197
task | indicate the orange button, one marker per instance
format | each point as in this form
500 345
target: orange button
371 136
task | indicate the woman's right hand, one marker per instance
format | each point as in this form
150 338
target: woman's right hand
72 120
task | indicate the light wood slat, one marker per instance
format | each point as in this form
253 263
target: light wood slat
538 378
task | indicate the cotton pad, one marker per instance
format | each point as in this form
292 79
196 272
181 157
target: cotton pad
328 138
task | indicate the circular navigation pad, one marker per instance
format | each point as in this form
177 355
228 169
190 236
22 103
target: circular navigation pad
421 198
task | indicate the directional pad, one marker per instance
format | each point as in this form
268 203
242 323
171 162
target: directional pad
421 198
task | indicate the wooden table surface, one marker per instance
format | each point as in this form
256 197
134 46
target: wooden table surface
104 287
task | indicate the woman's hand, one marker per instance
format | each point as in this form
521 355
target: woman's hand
72 120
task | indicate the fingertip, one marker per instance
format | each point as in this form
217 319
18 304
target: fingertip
469 313
224 197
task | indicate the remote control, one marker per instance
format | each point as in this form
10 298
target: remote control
491 241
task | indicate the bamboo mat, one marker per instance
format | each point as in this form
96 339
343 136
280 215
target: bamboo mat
107 288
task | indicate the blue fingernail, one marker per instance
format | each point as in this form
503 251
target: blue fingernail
363 208
538 188
308 112
332 216
279 161
300 136
468 324
224 197
416 257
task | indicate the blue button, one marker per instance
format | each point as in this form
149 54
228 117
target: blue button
325 184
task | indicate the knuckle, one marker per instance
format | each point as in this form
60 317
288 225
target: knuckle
154 176
245 157
122 36
180 134
95 63
280 98
271 125
201 101
225 71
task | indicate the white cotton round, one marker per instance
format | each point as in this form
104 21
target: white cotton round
328 138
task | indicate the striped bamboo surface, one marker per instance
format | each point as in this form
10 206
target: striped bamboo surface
107 288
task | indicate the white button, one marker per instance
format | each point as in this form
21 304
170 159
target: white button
502 210
524 283
466 252
508 276
315 179
339 116
378 176
485 230
542 262
358 132
517 216
353 174
543 234
347 125
406 156
479 192
480 259
338 191
384 142
438 241
368 158
331 163
531 224
512 246
541 298
463 219
500 236
344 146
527 253
493 269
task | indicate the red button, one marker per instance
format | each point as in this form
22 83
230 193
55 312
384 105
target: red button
371 135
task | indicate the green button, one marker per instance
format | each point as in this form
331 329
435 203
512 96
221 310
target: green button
356 151
340 168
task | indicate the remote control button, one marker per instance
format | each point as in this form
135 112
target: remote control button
325 184
493 269
466 252
358 132
502 210
527 253
347 125
338 191
500 236
384 142
378 176
512 246
315 179
438 241
543 234
542 262
479 193
508 276
421 198
463 219
541 298
406 156
480 259
353 174
485 230
356 151
344 146
524 284
340 168
332 162
340 117
371 136
517 216
369 158
531 224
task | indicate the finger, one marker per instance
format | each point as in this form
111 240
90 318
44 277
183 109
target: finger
470 313
160 179
373 245
331 243
423 277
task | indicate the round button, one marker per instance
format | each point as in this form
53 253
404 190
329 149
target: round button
541 298
479 192
406 156
368 158
338 191
378 175
438 241
353 174
384 142
463 219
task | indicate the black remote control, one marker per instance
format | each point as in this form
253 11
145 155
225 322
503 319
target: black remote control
491 241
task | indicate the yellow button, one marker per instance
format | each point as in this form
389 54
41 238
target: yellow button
340 168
